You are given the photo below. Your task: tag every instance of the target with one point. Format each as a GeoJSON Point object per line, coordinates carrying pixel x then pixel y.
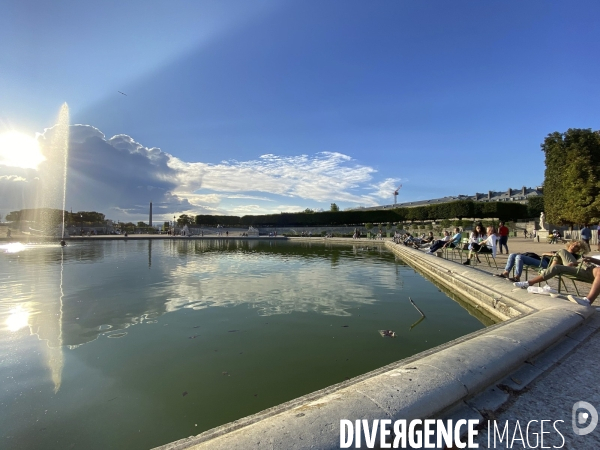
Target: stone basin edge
{"type": "Point", "coordinates": [423, 385]}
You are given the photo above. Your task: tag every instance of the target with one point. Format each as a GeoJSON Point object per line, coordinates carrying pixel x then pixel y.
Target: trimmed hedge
{"type": "Point", "coordinates": [440, 211]}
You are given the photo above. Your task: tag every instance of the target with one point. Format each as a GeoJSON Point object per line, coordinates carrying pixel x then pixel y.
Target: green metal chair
{"type": "Point", "coordinates": [573, 277]}
{"type": "Point", "coordinates": [487, 256]}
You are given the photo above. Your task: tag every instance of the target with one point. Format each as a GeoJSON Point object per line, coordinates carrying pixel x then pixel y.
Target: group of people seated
{"type": "Point", "coordinates": [554, 237]}
{"type": "Point", "coordinates": [480, 241]}
{"type": "Point", "coordinates": [414, 241]}
{"type": "Point", "coordinates": [568, 261]}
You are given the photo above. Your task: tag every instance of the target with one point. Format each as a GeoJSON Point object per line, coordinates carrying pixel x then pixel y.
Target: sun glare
{"type": "Point", "coordinates": [19, 150]}
{"type": "Point", "coordinates": [18, 318]}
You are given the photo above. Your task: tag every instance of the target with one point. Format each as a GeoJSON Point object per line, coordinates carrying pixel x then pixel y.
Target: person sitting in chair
{"type": "Point", "coordinates": [454, 242]}
{"type": "Point", "coordinates": [518, 260]}
{"type": "Point", "coordinates": [423, 242]}
{"type": "Point", "coordinates": [566, 256]}
{"type": "Point", "coordinates": [486, 246]}
{"type": "Point", "coordinates": [593, 268]}
{"type": "Point", "coordinates": [430, 240]}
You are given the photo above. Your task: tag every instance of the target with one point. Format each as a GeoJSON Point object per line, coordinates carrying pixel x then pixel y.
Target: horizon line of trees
{"type": "Point", "coordinates": [54, 216]}
{"type": "Point", "coordinates": [453, 210]}
{"type": "Point", "coordinates": [443, 211]}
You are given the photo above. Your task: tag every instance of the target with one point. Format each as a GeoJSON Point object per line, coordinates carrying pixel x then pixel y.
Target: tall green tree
{"type": "Point", "coordinates": [184, 219]}
{"type": "Point", "coordinates": [535, 206]}
{"type": "Point", "coordinates": [334, 208]}
{"type": "Point", "coordinates": [572, 176]}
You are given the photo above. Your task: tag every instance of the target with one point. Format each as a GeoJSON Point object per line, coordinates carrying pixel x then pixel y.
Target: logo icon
{"type": "Point", "coordinates": [581, 417]}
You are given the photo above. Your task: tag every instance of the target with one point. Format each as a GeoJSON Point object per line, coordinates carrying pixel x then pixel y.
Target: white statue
{"type": "Point", "coordinates": [542, 224]}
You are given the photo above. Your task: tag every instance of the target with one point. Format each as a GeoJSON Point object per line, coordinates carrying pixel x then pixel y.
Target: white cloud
{"type": "Point", "coordinates": [119, 176]}
{"type": "Point", "coordinates": [386, 188]}
{"type": "Point", "coordinates": [321, 177]}
{"type": "Point", "coordinates": [250, 197]}
{"type": "Point", "coordinates": [13, 178]}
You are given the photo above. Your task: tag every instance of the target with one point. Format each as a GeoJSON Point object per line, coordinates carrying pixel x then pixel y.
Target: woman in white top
{"type": "Point", "coordinates": [477, 235]}
{"type": "Point", "coordinates": [486, 246]}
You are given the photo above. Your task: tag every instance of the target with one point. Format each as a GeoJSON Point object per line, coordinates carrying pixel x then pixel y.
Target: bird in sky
{"type": "Point", "coordinates": [122, 93]}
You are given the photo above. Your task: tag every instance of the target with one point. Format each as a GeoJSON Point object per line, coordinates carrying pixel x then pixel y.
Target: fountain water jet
{"type": "Point", "coordinates": [53, 174]}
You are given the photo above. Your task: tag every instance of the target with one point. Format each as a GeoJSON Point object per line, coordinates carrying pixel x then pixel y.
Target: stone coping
{"type": "Point", "coordinates": [425, 385]}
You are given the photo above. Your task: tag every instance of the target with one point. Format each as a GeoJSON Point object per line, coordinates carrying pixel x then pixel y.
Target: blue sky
{"type": "Point", "coordinates": [238, 107]}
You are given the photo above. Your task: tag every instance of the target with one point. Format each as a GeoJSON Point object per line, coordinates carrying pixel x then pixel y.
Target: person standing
{"type": "Point", "coordinates": [598, 235]}
{"type": "Point", "coordinates": [503, 240]}
{"type": "Point", "coordinates": [586, 234]}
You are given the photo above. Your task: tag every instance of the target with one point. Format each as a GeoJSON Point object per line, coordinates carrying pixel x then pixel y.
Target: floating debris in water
{"type": "Point", "coordinates": [184, 393]}
{"type": "Point", "coordinates": [233, 331]}
{"type": "Point", "coordinates": [387, 333]}
{"type": "Point", "coordinates": [198, 326]}
{"type": "Point", "coordinates": [345, 326]}
{"type": "Point", "coordinates": [225, 373]}
{"type": "Point", "coordinates": [194, 336]}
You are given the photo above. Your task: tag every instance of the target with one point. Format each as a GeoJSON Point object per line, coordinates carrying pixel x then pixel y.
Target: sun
{"type": "Point", "coordinates": [19, 150]}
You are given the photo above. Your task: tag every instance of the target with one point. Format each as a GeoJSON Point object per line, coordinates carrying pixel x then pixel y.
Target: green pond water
{"type": "Point", "coordinates": [134, 344]}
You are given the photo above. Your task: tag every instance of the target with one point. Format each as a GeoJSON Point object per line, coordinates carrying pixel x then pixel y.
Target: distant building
{"type": "Point", "coordinates": [510, 195]}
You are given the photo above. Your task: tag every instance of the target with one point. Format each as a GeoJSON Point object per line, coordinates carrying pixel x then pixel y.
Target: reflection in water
{"type": "Point", "coordinates": [17, 318]}
{"type": "Point", "coordinates": [276, 278]}
{"type": "Point", "coordinates": [271, 278]}
{"type": "Point", "coordinates": [13, 247]}
{"type": "Point", "coordinates": [38, 295]}
{"type": "Point", "coordinates": [50, 331]}
{"type": "Point", "coordinates": [417, 323]}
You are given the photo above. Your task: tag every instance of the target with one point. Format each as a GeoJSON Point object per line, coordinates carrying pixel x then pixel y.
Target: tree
{"type": "Point", "coordinates": [308, 211]}
{"type": "Point", "coordinates": [184, 219]}
{"type": "Point", "coordinates": [88, 217]}
{"type": "Point", "coordinates": [142, 225]}
{"type": "Point", "coordinates": [334, 208]}
{"type": "Point", "coordinates": [13, 216]}
{"type": "Point", "coordinates": [535, 206]}
{"type": "Point", "coordinates": [572, 176]}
